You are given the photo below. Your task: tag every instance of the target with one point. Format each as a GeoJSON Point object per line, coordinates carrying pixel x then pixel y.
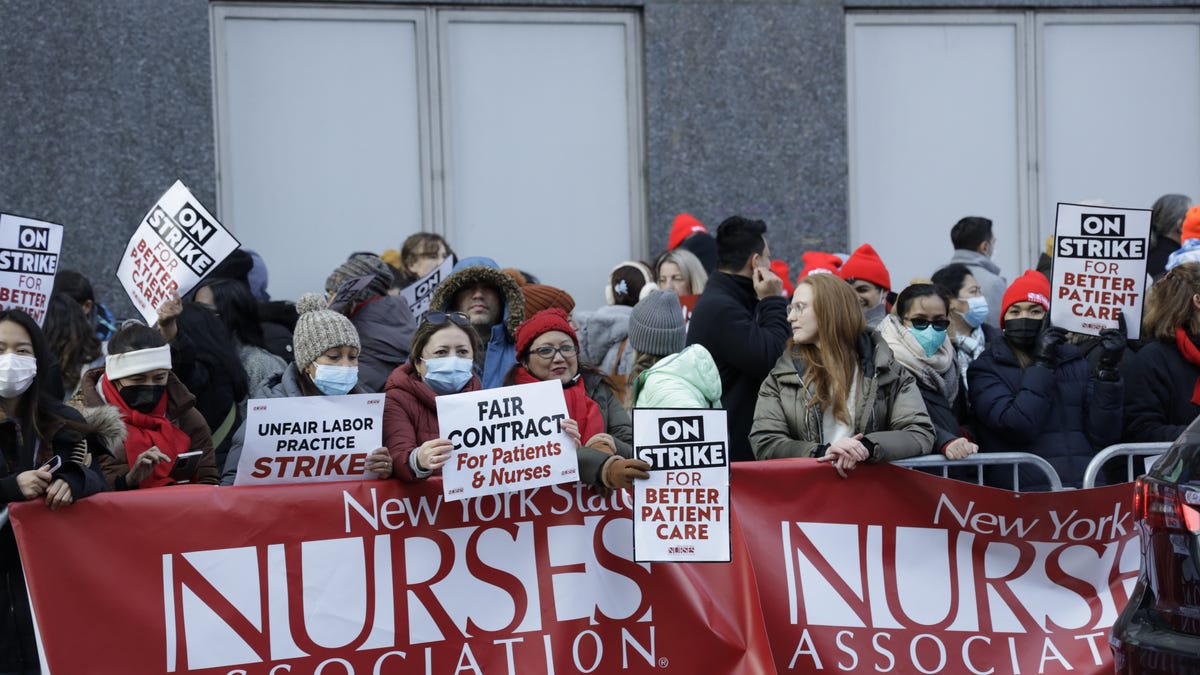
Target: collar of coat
{"type": "Point", "coordinates": [875, 359]}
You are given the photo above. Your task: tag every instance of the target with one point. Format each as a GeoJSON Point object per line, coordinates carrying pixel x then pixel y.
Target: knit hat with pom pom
{"type": "Point", "coordinates": [319, 329]}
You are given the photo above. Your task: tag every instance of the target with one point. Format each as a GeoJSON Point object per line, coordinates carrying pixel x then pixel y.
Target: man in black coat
{"type": "Point", "coordinates": [741, 319]}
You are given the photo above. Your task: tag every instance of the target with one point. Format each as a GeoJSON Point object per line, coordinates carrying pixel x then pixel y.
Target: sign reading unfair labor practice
{"type": "Point", "coordinates": [310, 439]}
{"type": "Point", "coordinates": [505, 440]}
{"type": "Point", "coordinates": [28, 262]}
{"type": "Point", "coordinates": [177, 245]}
{"type": "Point", "coordinates": [681, 513]}
{"type": "Point", "coordinates": [1099, 268]}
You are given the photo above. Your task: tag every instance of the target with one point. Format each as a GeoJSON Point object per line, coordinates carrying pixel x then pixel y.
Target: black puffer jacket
{"type": "Point", "coordinates": [1158, 393]}
{"type": "Point", "coordinates": [1062, 415]}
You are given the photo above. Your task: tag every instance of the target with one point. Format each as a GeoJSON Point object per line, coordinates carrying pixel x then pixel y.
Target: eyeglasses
{"type": "Point", "coordinates": [439, 318]}
{"type": "Point", "coordinates": [547, 352]}
{"type": "Point", "coordinates": [938, 324]}
{"type": "Point", "coordinates": [797, 307]}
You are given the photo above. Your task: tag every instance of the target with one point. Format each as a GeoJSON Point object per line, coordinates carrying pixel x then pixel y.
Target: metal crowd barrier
{"type": "Point", "coordinates": [980, 460]}
{"type": "Point", "coordinates": [1127, 450]}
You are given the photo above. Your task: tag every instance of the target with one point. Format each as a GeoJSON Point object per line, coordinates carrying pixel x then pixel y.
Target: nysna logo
{"type": "Point", "coordinates": [414, 585]}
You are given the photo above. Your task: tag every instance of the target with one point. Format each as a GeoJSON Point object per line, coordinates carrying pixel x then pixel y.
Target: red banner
{"type": "Point", "coordinates": [897, 571]}
{"type": "Point", "coordinates": [890, 570]}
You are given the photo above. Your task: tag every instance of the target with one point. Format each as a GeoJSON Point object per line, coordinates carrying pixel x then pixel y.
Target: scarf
{"type": "Point", "coordinates": [1191, 355]}
{"type": "Point", "coordinates": [580, 407]}
{"type": "Point", "coordinates": [147, 431]}
{"type": "Point", "coordinates": [937, 372]}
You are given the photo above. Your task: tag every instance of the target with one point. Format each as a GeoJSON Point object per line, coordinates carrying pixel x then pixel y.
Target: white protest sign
{"type": "Point", "coordinates": [28, 262]}
{"type": "Point", "coordinates": [1099, 268]}
{"type": "Point", "coordinates": [310, 439]}
{"type": "Point", "coordinates": [177, 245]}
{"type": "Point", "coordinates": [505, 440]}
{"type": "Point", "coordinates": [419, 293]}
{"type": "Point", "coordinates": [681, 513]}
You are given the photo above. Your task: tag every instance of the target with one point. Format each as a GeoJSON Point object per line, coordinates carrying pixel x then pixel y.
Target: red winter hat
{"type": "Point", "coordinates": [865, 264]}
{"type": "Point", "coordinates": [1032, 286]}
{"type": "Point", "coordinates": [818, 262]}
{"type": "Point", "coordinates": [1191, 224]}
{"type": "Point", "coordinates": [543, 322]}
{"type": "Point", "coordinates": [781, 270]}
{"type": "Point", "coordinates": [685, 225]}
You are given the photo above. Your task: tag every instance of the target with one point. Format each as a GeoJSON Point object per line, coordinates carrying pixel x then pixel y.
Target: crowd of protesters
{"type": "Point", "coordinates": [837, 364]}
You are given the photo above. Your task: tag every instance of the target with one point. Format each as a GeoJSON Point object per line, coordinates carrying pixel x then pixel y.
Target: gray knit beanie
{"type": "Point", "coordinates": [319, 330]}
{"type": "Point", "coordinates": [656, 324]}
{"type": "Point", "coordinates": [362, 265]}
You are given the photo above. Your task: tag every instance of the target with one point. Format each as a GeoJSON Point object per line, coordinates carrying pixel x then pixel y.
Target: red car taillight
{"type": "Point", "coordinates": [1162, 507]}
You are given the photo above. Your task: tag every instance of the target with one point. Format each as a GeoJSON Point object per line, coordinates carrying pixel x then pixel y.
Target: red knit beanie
{"type": "Point", "coordinates": [818, 262]}
{"type": "Point", "coordinates": [781, 270]}
{"type": "Point", "coordinates": [1191, 224]}
{"type": "Point", "coordinates": [685, 225]}
{"type": "Point", "coordinates": [865, 264]}
{"type": "Point", "coordinates": [1032, 286]}
{"type": "Point", "coordinates": [543, 322]}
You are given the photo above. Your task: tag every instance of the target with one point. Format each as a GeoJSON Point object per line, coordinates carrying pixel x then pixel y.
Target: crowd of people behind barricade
{"type": "Point", "coordinates": [837, 364]}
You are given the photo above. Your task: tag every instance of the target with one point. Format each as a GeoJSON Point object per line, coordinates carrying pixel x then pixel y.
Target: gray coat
{"type": "Point", "coordinates": [987, 273]}
{"type": "Point", "coordinates": [890, 411]}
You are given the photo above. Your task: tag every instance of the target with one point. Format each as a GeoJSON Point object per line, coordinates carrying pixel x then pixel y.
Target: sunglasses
{"type": "Point", "coordinates": [938, 324]}
{"type": "Point", "coordinates": [441, 318]}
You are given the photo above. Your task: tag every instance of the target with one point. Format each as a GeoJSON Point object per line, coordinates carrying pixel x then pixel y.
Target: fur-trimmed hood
{"type": "Point", "coordinates": [110, 429]}
{"type": "Point", "coordinates": [514, 301]}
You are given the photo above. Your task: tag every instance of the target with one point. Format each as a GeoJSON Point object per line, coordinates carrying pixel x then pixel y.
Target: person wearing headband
{"type": "Point", "coordinates": [160, 415]}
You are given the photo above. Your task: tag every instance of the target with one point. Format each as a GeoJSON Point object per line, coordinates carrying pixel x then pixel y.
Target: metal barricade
{"type": "Point", "coordinates": [1126, 450]}
{"type": "Point", "coordinates": [980, 460]}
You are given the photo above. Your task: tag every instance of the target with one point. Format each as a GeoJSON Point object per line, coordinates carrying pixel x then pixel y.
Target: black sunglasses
{"type": "Point", "coordinates": [440, 318]}
{"type": "Point", "coordinates": [938, 324]}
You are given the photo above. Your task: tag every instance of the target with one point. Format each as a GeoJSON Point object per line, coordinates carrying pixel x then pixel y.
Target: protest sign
{"type": "Point", "coordinates": [688, 303]}
{"type": "Point", "coordinates": [419, 293]}
{"type": "Point", "coordinates": [28, 262]}
{"type": "Point", "coordinates": [681, 513]}
{"type": "Point", "coordinates": [348, 289]}
{"type": "Point", "coordinates": [310, 439]}
{"type": "Point", "coordinates": [1099, 268]}
{"type": "Point", "coordinates": [506, 439]}
{"type": "Point", "coordinates": [177, 245]}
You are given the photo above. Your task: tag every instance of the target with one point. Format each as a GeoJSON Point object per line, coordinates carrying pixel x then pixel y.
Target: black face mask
{"type": "Point", "coordinates": [1022, 332]}
{"type": "Point", "coordinates": [143, 397]}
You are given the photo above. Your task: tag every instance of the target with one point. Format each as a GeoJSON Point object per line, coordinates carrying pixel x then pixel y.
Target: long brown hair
{"type": "Point", "coordinates": [832, 359]}
{"type": "Point", "coordinates": [1169, 304]}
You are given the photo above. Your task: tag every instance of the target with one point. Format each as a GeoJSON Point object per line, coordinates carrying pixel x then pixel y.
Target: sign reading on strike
{"type": "Point", "coordinates": [681, 513]}
{"type": "Point", "coordinates": [505, 440]}
{"type": "Point", "coordinates": [177, 245]}
{"type": "Point", "coordinates": [28, 262]}
{"type": "Point", "coordinates": [310, 439]}
{"type": "Point", "coordinates": [419, 293]}
{"type": "Point", "coordinates": [1099, 268]}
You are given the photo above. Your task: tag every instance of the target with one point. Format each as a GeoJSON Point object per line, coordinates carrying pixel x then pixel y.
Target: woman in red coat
{"type": "Point", "coordinates": [441, 362]}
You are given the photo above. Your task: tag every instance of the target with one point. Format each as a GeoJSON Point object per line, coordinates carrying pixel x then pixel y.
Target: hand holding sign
{"type": "Point", "coordinates": [1112, 348]}
{"type": "Point", "coordinates": [168, 312]}
{"type": "Point", "coordinates": [432, 454]}
{"type": "Point", "coordinates": [379, 462]}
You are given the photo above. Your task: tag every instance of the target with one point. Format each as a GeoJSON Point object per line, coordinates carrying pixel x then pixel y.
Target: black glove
{"type": "Point", "coordinates": [1112, 344]}
{"type": "Point", "coordinates": [1046, 347]}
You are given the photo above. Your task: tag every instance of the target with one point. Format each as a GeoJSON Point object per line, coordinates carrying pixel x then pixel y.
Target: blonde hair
{"type": "Point", "coordinates": [689, 264]}
{"type": "Point", "coordinates": [831, 361]}
{"type": "Point", "coordinates": [1169, 303]}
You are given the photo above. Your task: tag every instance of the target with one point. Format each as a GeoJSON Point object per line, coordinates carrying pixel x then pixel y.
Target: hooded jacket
{"type": "Point", "coordinates": [1062, 415]}
{"type": "Point", "coordinates": [500, 353]}
{"type": "Point", "coordinates": [987, 273]}
{"type": "Point", "coordinates": [410, 417]}
{"type": "Point", "coordinates": [686, 379]}
{"type": "Point", "coordinates": [889, 410]}
{"type": "Point", "coordinates": [385, 328]}
{"type": "Point", "coordinates": [601, 334]}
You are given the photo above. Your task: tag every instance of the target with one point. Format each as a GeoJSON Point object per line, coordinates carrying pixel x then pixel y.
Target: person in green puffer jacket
{"type": "Point", "coordinates": [665, 373]}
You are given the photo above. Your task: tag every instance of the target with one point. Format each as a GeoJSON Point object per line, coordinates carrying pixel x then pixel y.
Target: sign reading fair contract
{"type": "Point", "coordinates": [505, 440]}
{"type": "Point", "coordinates": [177, 245]}
{"type": "Point", "coordinates": [1099, 268]}
{"type": "Point", "coordinates": [681, 514]}
{"type": "Point", "coordinates": [310, 439]}
{"type": "Point", "coordinates": [28, 262]}
{"type": "Point", "coordinates": [419, 293]}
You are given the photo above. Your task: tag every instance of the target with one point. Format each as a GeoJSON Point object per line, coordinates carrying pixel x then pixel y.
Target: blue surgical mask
{"type": "Point", "coordinates": [335, 380]}
{"type": "Point", "coordinates": [448, 375]}
{"type": "Point", "coordinates": [977, 311]}
{"type": "Point", "coordinates": [930, 338]}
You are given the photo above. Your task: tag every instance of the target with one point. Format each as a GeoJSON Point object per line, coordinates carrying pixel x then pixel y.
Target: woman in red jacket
{"type": "Point", "coordinates": [441, 362]}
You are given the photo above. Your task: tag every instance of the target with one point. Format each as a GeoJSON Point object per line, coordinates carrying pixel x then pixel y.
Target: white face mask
{"type": "Point", "coordinates": [16, 374]}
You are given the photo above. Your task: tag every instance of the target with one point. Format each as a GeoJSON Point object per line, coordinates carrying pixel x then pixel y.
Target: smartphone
{"type": "Point", "coordinates": [52, 465]}
{"type": "Point", "coordinates": [186, 466]}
